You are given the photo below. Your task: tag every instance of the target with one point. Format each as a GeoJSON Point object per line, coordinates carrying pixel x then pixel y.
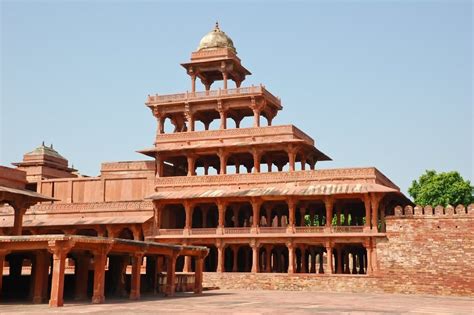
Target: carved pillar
{"type": "Point", "coordinates": [302, 214]}
{"type": "Point", "coordinates": [59, 249]}
{"type": "Point", "coordinates": [313, 255]}
{"type": "Point", "coordinates": [321, 262]}
{"type": "Point", "coordinates": [188, 209]}
{"type": "Point", "coordinates": [220, 255]}
{"type": "Point", "coordinates": [187, 264]}
{"type": "Point", "coordinates": [329, 257]}
{"type": "Point", "coordinates": [198, 275]}
{"type": "Point", "coordinates": [292, 159]}
{"type": "Point", "coordinates": [170, 275]}
{"type": "Point", "coordinates": [136, 276]}
{"type": "Point", "coordinates": [100, 260]}
{"type": "Point", "coordinates": [304, 263]}
{"type": "Point", "coordinates": [268, 259]}
{"type": "Point", "coordinates": [255, 247]}
{"type": "Point", "coordinates": [204, 212]}
{"type": "Point", "coordinates": [291, 257]}
{"type": "Point", "coordinates": [256, 203]}
{"type": "Point", "coordinates": [256, 160]}
{"type": "Point", "coordinates": [81, 276]}
{"type": "Point", "coordinates": [191, 165]}
{"type": "Point", "coordinates": [346, 262]}
{"type": "Point", "coordinates": [223, 119]}
{"type": "Point", "coordinates": [360, 255]}
{"type": "Point", "coordinates": [159, 166]}
{"type": "Point", "coordinates": [18, 219]}
{"type": "Point", "coordinates": [367, 211]}
{"type": "Point", "coordinates": [223, 162]}
{"type": "Point", "coordinates": [375, 200]}
{"type": "Point", "coordinates": [221, 207]}
{"type": "Point", "coordinates": [329, 203]}
{"type": "Point", "coordinates": [193, 83]}
{"type": "Point", "coordinates": [235, 250]}
{"type": "Point", "coordinates": [291, 214]}
{"type": "Point", "coordinates": [224, 78]}
{"type": "Point", "coordinates": [354, 263]}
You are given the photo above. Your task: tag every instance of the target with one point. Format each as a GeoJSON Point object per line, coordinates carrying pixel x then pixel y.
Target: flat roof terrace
{"type": "Point", "coordinates": [229, 137]}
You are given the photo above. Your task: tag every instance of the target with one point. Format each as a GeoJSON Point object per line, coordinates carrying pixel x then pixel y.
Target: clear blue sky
{"type": "Point", "coordinates": [375, 83]}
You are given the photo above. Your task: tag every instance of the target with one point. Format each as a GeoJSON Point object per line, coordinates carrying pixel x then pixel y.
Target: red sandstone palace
{"type": "Point", "coordinates": [254, 196]}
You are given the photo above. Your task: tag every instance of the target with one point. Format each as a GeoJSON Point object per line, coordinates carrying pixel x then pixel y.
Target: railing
{"type": "Point", "coordinates": [203, 231]}
{"type": "Point", "coordinates": [237, 230]}
{"type": "Point", "coordinates": [272, 229]}
{"type": "Point", "coordinates": [309, 229]}
{"type": "Point", "coordinates": [234, 133]}
{"type": "Point", "coordinates": [347, 229]}
{"type": "Point", "coordinates": [171, 231]}
{"type": "Point", "coordinates": [339, 175]}
{"type": "Point", "coordinates": [189, 96]}
{"type": "Point", "coordinates": [264, 230]}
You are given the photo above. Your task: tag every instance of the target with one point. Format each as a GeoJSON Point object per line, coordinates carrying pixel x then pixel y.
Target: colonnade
{"type": "Point", "coordinates": [289, 213]}
{"type": "Point", "coordinates": [250, 161]}
{"type": "Point", "coordinates": [291, 257]}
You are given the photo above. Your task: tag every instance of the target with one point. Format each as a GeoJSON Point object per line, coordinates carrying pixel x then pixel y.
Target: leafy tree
{"type": "Point", "coordinates": [441, 189]}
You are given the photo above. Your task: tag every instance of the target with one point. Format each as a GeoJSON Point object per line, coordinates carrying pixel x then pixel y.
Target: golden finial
{"type": "Point", "coordinates": [217, 26]}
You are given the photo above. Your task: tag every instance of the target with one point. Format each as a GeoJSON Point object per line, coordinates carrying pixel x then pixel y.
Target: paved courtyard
{"type": "Point", "coordinates": [263, 302]}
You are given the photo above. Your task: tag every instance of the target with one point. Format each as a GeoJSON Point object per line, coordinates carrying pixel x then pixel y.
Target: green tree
{"type": "Point", "coordinates": [441, 189]}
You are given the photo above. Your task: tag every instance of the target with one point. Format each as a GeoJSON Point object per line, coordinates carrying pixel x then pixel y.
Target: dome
{"type": "Point", "coordinates": [216, 39]}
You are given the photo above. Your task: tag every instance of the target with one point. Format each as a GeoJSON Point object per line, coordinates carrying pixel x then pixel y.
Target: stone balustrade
{"type": "Point", "coordinates": [340, 175]}
{"type": "Point", "coordinates": [212, 94]}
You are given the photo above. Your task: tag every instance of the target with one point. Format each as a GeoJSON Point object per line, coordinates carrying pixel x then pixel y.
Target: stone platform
{"type": "Point", "coordinates": [265, 302]}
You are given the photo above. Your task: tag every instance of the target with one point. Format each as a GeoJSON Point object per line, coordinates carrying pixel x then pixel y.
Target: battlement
{"type": "Point", "coordinates": [430, 211]}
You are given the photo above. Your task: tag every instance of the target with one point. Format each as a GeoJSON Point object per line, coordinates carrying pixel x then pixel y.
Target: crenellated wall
{"type": "Point", "coordinates": [426, 251]}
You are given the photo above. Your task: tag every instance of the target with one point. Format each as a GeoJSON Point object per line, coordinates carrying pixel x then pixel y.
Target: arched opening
{"type": "Point", "coordinates": [173, 217]}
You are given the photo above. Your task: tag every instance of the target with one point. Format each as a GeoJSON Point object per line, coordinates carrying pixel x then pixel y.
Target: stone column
{"type": "Point", "coordinates": [354, 263]}
{"type": "Point", "coordinates": [255, 261]}
{"type": "Point", "coordinates": [81, 276]}
{"type": "Point", "coordinates": [100, 260]}
{"type": "Point", "coordinates": [291, 214]}
{"type": "Point", "coordinates": [367, 212]}
{"type": "Point", "coordinates": [39, 276]}
{"type": "Point", "coordinates": [313, 255]}
{"type": "Point", "coordinates": [304, 263]}
{"type": "Point", "coordinates": [188, 209]}
{"type": "Point", "coordinates": [18, 220]}
{"type": "Point", "coordinates": [170, 275]}
{"type": "Point", "coordinates": [339, 259]}
{"type": "Point", "coordinates": [223, 162]}
{"type": "Point", "coordinates": [191, 165]}
{"type": "Point", "coordinates": [224, 78]}
{"type": "Point", "coordinates": [59, 249]}
{"type": "Point", "coordinates": [268, 259]}
{"type": "Point", "coordinates": [204, 211]}
{"type": "Point", "coordinates": [346, 262]}
{"type": "Point", "coordinates": [136, 276]}
{"type": "Point", "coordinates": [221, 208]}
{"type": "Point", "coordinates": [159, 166]}
{"type": "Point", "coordinates": [291, 257]}
{"type": "Point", "coordinates": [223, 118]}
{"type": "Point", "coordinates": [198, 275]}
{"type": "Point", "coordinates": [255, 212]}
{"type": "Point", "coordinates": [321, 262]}
{"type": "Point", "coordinates": [328, 203]}
{"type": "Point", "coordinates": [256, 161]}
{"type": "Point", "coordinates": [193, 83]}
{"type": "Point", "coordinates": [292, 159]}
{"type": "Point", "coordinates": [375, 200]}
{"type": "Point", "coordinates": [220, 255]}
{"type": "Point", "coordinates": [329, 268]}
{"type": "Point", "coordinates": [361, 262]}
{"type": "Point", "coordinates": [187, 264]}
{"type": "Point", "coordinates": [235, 250]}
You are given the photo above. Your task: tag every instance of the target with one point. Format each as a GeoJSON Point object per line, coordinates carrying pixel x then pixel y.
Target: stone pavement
{"type": "Point", "coordinates": [263, 302]}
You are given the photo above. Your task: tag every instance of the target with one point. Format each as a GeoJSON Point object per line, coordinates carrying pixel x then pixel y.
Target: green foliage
{"type": "Point", "coordinates": [441, 189]}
